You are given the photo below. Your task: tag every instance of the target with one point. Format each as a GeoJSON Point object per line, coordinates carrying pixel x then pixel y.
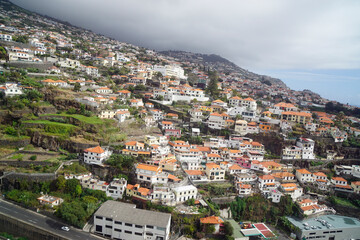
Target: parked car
{"type": "Point", "coordinates": [65, 228]}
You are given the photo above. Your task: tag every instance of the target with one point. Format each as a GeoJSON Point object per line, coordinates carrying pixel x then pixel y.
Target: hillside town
{"type": "Point", "coordinates": [122, 142]}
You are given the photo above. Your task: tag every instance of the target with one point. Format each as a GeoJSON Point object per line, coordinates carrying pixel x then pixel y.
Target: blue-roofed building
{"type": "Point", "coordinates": [327, 227]}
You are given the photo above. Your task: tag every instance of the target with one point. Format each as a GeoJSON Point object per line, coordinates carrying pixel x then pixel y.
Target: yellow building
{"type": "Point", "coordinates": [214, 172]}
{"type": "Point", "coordinates": [298, 117]}
{"type": "Point", "coordinates": [356, 186]}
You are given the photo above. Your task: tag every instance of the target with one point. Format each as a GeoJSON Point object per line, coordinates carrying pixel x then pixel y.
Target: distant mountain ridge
{"type": "Point", "coordinates": [220, 64]}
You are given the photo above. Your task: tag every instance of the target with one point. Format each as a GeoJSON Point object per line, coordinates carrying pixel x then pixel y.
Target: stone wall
{"type": "Point", "coordinates": [41, 66]}
{"type": "Point", "coordinates": [17, 227]}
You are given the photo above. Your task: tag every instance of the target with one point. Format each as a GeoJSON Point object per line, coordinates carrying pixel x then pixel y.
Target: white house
{"type": "Point", "coordinates": [96, 155]}
{"type": "Point", "coordinates": [304, 176]}
{"type": "Point", "coordinates": [122, 115]}
{"type": "Point", "coordinates": [184, 193]}
{"type": "Point", "coordinates": [116, 188]}
{"type": "Point", "coordinates": [92, 71]}
{"type": "Point", "coordinates": [104, 90]}
{"type": "Point", "coordinates": [217, 120]}
{"type": "Point", "coordinates": [69, 63]}
{"type": "Point", "coordinates": [151, 174]}
{"type": "Point", "coordinates": [50, 200]}
{"type": "Point", "coordinates": [11, 89]}
{"type": "Point", "coordinates": [292, 189]}
{"type": "Point", "coordinates": [136, 103]}
{"type": "Point", "coordinates": [5, 37]}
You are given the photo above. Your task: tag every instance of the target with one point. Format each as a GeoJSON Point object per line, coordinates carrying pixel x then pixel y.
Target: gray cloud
{"type": "Point", "coordinates": [256, 34]}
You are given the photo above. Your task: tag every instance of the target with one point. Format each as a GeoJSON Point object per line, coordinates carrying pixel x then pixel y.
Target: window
{"type": "Point", "coordinates": [138, 226]}
{"type": "Point", "coordinates": [128, 224]}
{"type": "Point", "coordinates": [149, 226]}
{"type": "Point", "coordinates": [108, 219]}
{"type": "Point", "coordinates": [128, 232]}
{"type": "Point", "coordinates": [139, 234]}
{"type": "Point", "coordinates": [117, 230]}
{"type": "Point", "coordinates": [98, 217]}
{"type": "Point", "coordinates": [98, 228]}
{"type": "Point", "coordinates": [117, 222]}
{"type": "Point", "coordinates": [160, 228]}
{"type": "Point", "coordinates": [108, 226]}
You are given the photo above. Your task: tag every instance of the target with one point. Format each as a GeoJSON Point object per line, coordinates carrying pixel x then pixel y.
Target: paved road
{"type": "Point", "coordinates": [41, 221]}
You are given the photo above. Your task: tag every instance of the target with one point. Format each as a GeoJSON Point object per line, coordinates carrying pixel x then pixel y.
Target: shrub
{"type": "Point", "coordinates": [33, 157]}
{"type": "Point", "coordinates": [71, 111]}
{"type": "Point", "coordinates": [11, 131]}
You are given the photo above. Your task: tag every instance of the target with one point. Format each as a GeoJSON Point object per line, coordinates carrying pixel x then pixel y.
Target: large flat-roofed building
{"type": "Point", "coordinates": [327, 227]}
{"type": "Point", "coordinates": [119, 220]}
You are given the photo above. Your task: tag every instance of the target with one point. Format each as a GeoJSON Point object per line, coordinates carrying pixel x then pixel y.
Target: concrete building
{"type": "Point", "coordinates": [119, 220]}
{"type": "Point", "coordinates": [116, 188]}
{"type": "Point", "coordinates": [304, 149]}
{"type": "Point", "coordinates": [184, 193]}
{"type": "Point", "coordinates": [327, 227]}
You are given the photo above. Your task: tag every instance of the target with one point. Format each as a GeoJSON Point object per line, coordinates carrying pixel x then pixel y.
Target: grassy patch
{"type": "Point", "coordinates": [14, 138]}
{"type": "Point", "coordinates": [344, 202]}
{"type": "Point", "coordinates": [55, 127]}
{"type": "Point", "coordinates": [6, 150]}
{"type": "Point", "coordinates": [17, 156]}
{"type": "Point", "coordinates": [82, 118]}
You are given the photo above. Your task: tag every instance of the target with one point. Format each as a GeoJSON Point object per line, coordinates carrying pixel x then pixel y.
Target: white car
{"type": "Point", "coordinates": [65, 228]}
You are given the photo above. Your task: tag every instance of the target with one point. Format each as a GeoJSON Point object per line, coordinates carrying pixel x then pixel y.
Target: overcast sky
{"type": "Point", "coordinates": [281, 37]}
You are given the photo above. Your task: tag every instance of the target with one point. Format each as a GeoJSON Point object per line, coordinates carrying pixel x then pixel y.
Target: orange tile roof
{"type": "Point", "coordinates": [357, 183]}
{"type": "Point", "coordinates": [240, 185]}
{"type": "Point", "coordinates": [287, 185]}
{"type": "Point", "coordinates": [234, 151]}
{"type": "Point", "coordinates": [124, 91]}
{"type": "Point", "coordinates": [320, 174]}
{"type": "Point", "coordinates": [266, 177]}
{"type": "Point", "coordinates": [306, 201]}
{"type": "Point", "coordinates": [203, 149]}
{"type": "Point", "coordinates": [282, 174]}
{"type": "Point", "coordinates": [270, 184]}
{"type": "Point", "coordinates": [148, 167]}
{"type": "Point", "coordinates": [301, 114]}
{"type": "Point", "coordinates": [270, 163]}
{"type": "Point", "coordinates": [307, 208]}
{"type": "Point", "coordinates": [339, 179]}
{"type": "Point", "coordinates": [236, 98]}
{"type": "Point", "coordinates": [235, 167]}
{"type": "Point", "coordinates": [133, 143]}
{"type": "Point", "coordinates": [144, 191]}
{"type": "Point", "coordinates": [343, 186]}
{"type": "Point", "coordinates": [256, 144]}
{"type": "Point", "coordinates": [303, 171]}
{"type": "Point", "coordinates": [97, 149]}
{"type": "Point", "coordinates": [211, 220]}
{"type": "Point", "coordinates": [172, 177]}
{"type": "Point", "coordinates": [285, 105]}
{"type": "Point", "coordinates": [214, 155]}
{"type": "Point", "coordinates": [212, 165]}
{"type": "Point", "coordinates": [194, 172]}
{"type": "Point", "coordinates": [321, 180]}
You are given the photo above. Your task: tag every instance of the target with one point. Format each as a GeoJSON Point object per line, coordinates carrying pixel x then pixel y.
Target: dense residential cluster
{"type": "Point", "coordinates": [187, 130]}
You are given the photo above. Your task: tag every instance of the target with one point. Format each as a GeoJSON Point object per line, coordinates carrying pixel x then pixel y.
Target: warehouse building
{"type": "Point", "coordinates": [119, 220]}
{"type": "Point", "coordinates": [327, 227]}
